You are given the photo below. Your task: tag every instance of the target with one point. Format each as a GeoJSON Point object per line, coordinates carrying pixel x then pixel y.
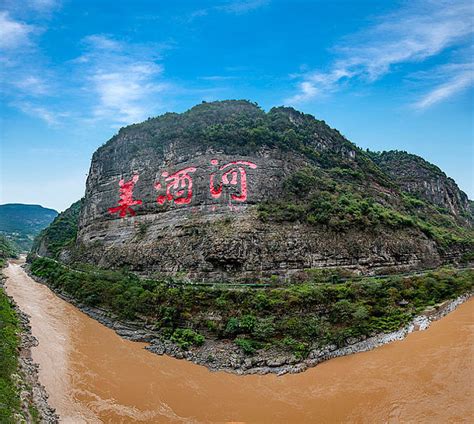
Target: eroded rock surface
{"type": "Point", "coordinates": [180, 195]}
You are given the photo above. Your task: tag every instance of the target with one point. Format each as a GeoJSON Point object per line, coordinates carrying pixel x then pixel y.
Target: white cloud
{"type": "Point", "coordinates": [21, 67]}
{"type": "Point", "coordinates": [218, 78]}
{"type": "Point", "coordinates": [24, 78]}
{"type": "Point", "coordinates": [102, 42]}
{"type": "Point", "coordinates": [455, 78]}
{"type": "Point", "coordinates": [242, 6]}
{"type": "Point", "coordinates": [236, 7]}
{"type": "Point", "coordinates": [124, 78]}
{"type": "Point", "coordinates": [413, 34]}
{"type": "Point", "coordinates": [31, 85]}
{"type": "Point", "coordinates": [32, 8]}
{"type": "Point", "coordinates": [307, 91]}
{"type": "Point", "coordinates": [50, 117]}
{"type": "Point", "coordinates": [13, 34]}
{"type": "Point", "coordinates": [125, 93]}
{"type": "Point", "coordinates": [44, 5]}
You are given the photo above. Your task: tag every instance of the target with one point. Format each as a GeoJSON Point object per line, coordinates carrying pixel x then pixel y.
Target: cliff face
{"type": "Point", "coordinates": [227, 191]}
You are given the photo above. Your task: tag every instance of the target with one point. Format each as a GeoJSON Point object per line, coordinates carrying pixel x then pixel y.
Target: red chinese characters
{"type": "Point", "coordinates": [179, 187]}
{"type": "Point", "coordinates": [232, 173]}
{"type": "Point", "coordinates": [126, 198]}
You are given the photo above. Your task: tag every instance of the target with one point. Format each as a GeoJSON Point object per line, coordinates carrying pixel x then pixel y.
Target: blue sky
{"type": "Point", "coordinates": [387, 74]}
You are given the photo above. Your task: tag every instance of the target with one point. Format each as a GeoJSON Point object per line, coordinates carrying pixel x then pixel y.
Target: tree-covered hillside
{"type": "Point", "coordinates": [7, 248]}
{"type": "Point", "coordinates": [60, 233]}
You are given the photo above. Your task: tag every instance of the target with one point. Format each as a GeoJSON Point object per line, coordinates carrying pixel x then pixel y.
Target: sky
{"type": "Point", "coordinates": [387, 74]}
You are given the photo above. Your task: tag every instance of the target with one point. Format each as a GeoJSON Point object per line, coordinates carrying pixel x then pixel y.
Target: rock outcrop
{"type": "Point", "coordinates": [181, 195]}
{"type": "Point", "coordinates": [417, 176]}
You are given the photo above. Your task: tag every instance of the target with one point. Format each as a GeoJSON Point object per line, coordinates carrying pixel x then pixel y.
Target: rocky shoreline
{"type": "Point", "coordinates": [32, 392]}
{"type": "Point", "coordinates": [221, 355]}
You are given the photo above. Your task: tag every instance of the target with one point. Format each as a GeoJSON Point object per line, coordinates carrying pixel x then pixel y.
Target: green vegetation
{"type": "Point", "coordinates": [11, 380]}
{"type": "Point", "coordinates": [7, 248]}
{"type": "Point", "coordinates": [9, 341]}
{"type": "Point", "coordinates": [185, 338]}
{"type": "Point", "coordinates": [323, 310]}
{"type": "Point", "coordinates": [404, 160]}
{"type": "Point", "coordinates": [21, 223]}
{"type": "Point", "coordinates": [248, 346]}
{"type": "Point", "coordinates": [61, 233]}
{"type": "Point", "coordinates": [336, 198]}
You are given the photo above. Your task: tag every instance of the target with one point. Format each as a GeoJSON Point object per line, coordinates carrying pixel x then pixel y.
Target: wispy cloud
{"type": "Point", "coordinates": [125, 79]}
{"type": "Point", "coordinates": [44, 5]}
{"type": "Point", "coordinates": [31, 94]}
{"type": "Point", "coordinates": [236, 7]}
{"type": "Point", "coordinates": [24, 79]}
{"type": "Point", "coordinates": [52, 118]}
{"type": "Point", "coordinates": [450, 80]}
{"type": "Point", "coordinates": [32, 8]}
{"type": "Point", "coordinates": [413, 34]}
{"type": "Point", "coordinates": [113, 81]}
{"type": "Point", "coordinates": [218, 78]}
{"type": "Point", "coordinates": [242, 6]}
{"type": "Point", "coordinates": [31, 85]}
{"type": "Point", "coordinates": [13, 34]}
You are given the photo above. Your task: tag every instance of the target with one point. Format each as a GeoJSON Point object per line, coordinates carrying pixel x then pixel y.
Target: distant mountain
{"type": "Point", "coordinates": [21, 223]}
{"type": "Point", "coordinates": [228, 191]}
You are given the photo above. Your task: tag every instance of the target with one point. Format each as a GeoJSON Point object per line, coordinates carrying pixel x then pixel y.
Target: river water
{"type": "Point", "coordinates": [92, 375]}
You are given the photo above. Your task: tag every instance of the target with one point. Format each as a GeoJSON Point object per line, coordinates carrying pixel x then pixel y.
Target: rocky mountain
{"type": "Point", "coordinates": [21, 223]}
{"type": "Point", "coordinates": [228, 191]}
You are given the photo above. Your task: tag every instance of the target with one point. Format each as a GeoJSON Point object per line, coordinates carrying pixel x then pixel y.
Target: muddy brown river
{"type": "Point", "coordinates": [92, 375]}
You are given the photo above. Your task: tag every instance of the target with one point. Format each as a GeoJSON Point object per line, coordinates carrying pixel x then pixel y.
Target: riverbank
{"type": "Point", "coordinates": [230, 359]}
{"type": "Point", "coordinates": [23, 397]}
{"type": "Point", "coordinates": [223, 355]}
{"type": "Point", "coordinates": [93, 375]}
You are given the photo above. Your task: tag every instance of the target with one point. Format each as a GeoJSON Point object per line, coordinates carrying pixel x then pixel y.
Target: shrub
{"type": "Point", "coordinates": [299, 349]}
{"type": "Point", "coordinates": [247, 323]}
{"type": "Point", "coordinates": [185, 338]}
{"type": "Point", "coordinates": [264, 329]}
{"type": "Point", "coordinates": [248, 346]}
{"type": "Point", "coordinates": [232, 326]}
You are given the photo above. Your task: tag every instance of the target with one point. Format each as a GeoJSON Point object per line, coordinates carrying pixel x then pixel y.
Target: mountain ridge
{"type": "Point", "coordinates": [312, 199]}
